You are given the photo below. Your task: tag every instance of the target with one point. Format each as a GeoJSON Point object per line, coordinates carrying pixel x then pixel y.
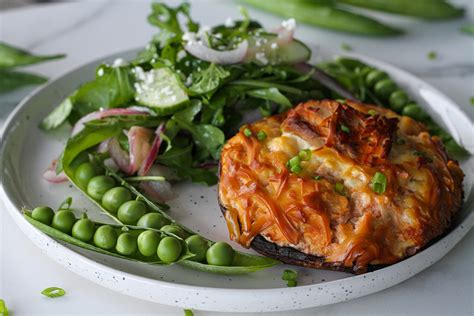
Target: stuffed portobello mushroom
{"type": "Point", "coordinates": [337, 185]}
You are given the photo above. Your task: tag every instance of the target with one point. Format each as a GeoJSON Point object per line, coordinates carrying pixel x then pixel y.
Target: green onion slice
{"type": "Point", "coordinates": [305, 154]}
{"type": "Point", "coordinates": [53, 292]}
{"type": "Point", "coordinates": [339, 188]}
{"type": "Point", "coordinates": [290, 276]}
{"type": "Point", "coordinates": [379, 183]}
{"type": "Point", "coordinates": [345, 129]}
{"type": "Point", "coordinates": [261, 135]}
{"type": "Point", "coordinates": [247, 132]}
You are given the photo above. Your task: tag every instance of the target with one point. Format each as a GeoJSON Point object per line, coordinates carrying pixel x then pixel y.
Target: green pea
{"type": "Point", "coordinates": [176, 230]}
{"type": "Point", "coordinates": [169, 249]}
{"type": "Point", "coordinates": [43, 214]}
{"type": "Point", "coordinates": [152, 220]}
{"type": "Point", "coordinates": [220, 254]}
{"type": "Point", "coordinates": [80, 159]}
{"type": "Point", "coordinates": [83, 230]}
{"type": "Point", "coordinates": [148, 242]}
{"type": "Point", "coordinates": [130, 212]}
{"type": "Point", "coordinates": [384, 88]}
{"type": "Point", "coordinates": [105, 237]}
{"type": "Point", "coordinates": [126, 244]}
{"type": "Point", "coordinates": [414, 111]}
{"type": "Point", "coordinates": [397, 100]}
{"type": "Point", "coordinates": [84, 173]}
{"type": "Point", "coordinates": [98, 185]}
{"type": "Point", "coordinates": [115, 197]}
{"type": "Point", "coordinates": [64, 220]}
{"type": "Point", "coordinates": [375, 76]}
{"type": "Point", "coordinates": [198, 246]}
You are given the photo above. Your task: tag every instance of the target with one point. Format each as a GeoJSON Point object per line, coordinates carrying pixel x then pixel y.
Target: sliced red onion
{"type": "Point", "coordinates": [155, 148]}
{"type": "Point", "coordinates": [285, 36]}
{"type": "Point", "coordinates": [119, 156]}
{"type": "Point", "coordinates": [51, 176]}
{"type": "Point", "coordinates": [103, 146]}
{"type": "Point", "coordinates": [108, 112]}
{"type": "Point", "coordinates": [201, 51]}
{"type": "Point", "coordinates": [139, 139]}
{"type": "Point", "coordinates": [158, 191]}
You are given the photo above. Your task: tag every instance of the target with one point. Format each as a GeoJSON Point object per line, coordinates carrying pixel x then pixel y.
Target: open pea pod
{"type": "Point", "coordinates": [136, 256]}
{"type": "Point", "coordinates": [98, 131]}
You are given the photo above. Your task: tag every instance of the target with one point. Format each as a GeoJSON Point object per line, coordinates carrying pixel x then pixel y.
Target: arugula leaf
{"type": "Point", "coordinates": [206, 82]}
{"type": "Point", "coordinates": [271, 94]}
{"type": "Point", "coordinates": [113, 88]}
{"type": "Point", "coordinates": [12, 57]}
{"type": "Point", "coordinates": [58, 116]}
{"type": "Point", "coordinates": [11, 80]}
{"type": "Point", "coordinates": [166, 18]}
{"type": "Point", "coordinates": [205, 136]}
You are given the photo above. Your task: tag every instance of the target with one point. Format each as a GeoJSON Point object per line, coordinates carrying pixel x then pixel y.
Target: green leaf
{"type": "Point", "coordinates": [188, 312]}
{"type": "Point", "coordinates": [205, 136]}
{"type": "Point", "coordinates": [12, 57]}
{"type": "Point", "coordinates": [58, 116]}
{"type": "Point", "coordinates": [207, 81]}
{"type": "Point", "coordinates": [167, 18]}
{"type": "Point", "coordinates": [111, 89]}
{"type": "Point", "coordinates": [53, 292]}
{"type": "Point", "coordinates": [11, 80]}
{"type": "Point", "coordinates": [271, 94]}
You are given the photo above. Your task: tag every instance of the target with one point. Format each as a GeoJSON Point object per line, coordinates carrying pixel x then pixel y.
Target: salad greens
{"type": "Point", "coordinates": [11, 57]}
{"type": "Point", "coordinates": [53, 292]}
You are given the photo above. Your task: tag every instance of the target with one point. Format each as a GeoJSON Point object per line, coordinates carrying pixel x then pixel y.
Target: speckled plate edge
{"type": "Point", "coordinates": [242, 300]}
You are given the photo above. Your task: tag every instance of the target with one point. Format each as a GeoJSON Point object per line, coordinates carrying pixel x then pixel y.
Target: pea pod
{"type": "Point", "coordinates": [372, 85]}
{"type": "Point", "coordinates": [426, 9]}
{"type": "Point", "coordinates": [326, 16]}
{"type": "Point", "coordinates": [133, 230]}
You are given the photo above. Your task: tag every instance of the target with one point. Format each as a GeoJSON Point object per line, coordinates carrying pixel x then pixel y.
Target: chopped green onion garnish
{"type": "Point", "coordinates": [379, 183]}
{"type": "Point", "coordinates": [372, 112]}
{"type": "Point", "coordinates": [247, 132]}
{"type": "Point", "coordinates": [188, 312]}
{"type": "Point", "coordinates": [3, 308]}
{"type": "Point", "coordinates": [339, 188]}
{"type": "Point", "coordinates": [305, 154]}
{"type": "Point", "coordinates": [295, 161]}
{"type": "Point", "coordinates": [346, 47]}
{"type": "Point", "coordinates": [290, 277]}
{"type": "Point", "coordinates": [53, 292]}
{"type": "Point", "coordinates": [261, 135]}
{"type": "Point", "coordinates": [341, 101]}
{"type": "Point", "coordinates": [345, 129]}
{"type": "Point", "coordinates": [296, 169]}
{"type": "Point", "coordinates": [317, 177]}
{"type": "Point", "coordinates": [432, 55]}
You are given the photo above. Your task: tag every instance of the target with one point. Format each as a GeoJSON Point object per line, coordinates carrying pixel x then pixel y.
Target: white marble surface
{"type": "Point", "coordinates": [92, 29]}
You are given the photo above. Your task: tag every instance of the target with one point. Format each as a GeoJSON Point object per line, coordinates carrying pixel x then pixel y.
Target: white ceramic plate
{"type": "Point", "coordinates": [26, 152]}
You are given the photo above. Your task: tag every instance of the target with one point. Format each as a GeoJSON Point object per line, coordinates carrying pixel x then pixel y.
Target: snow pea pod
{"type": "Point", "coordinates": [426, 9]}
{"type": "Point", "coordinates": [327, 16]}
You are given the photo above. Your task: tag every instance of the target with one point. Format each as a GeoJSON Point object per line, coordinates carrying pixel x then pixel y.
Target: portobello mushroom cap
{"type": "Point", "coordinates": [329, 212]}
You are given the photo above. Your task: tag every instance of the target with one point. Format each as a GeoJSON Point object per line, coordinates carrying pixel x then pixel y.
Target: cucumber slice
{"type": "Point", "coordinates": [264, 50]}
{"type": "Point", "coordinates": [161, 90]}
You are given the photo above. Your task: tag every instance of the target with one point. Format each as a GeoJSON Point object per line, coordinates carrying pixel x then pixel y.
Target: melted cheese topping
{"type": "Point", "coordinates": [353, 228]}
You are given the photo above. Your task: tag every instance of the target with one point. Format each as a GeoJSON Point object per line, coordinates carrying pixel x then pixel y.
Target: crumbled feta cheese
{"type": "Point", "coordinates": [100, 72]}
{"type": "Point", "coordinates": [189, 81]}
{"type": "Point", "coordinates": [189, 37]}
{"type": "Point", "coordinates": [181, 54]}
{"type": "Point", "coordinates": [119, 62]}
{"type": "Point", "coordinates": [289, 24]}
{"type": "Point", "coordinates": [261, 58]}
{"type": "Point", "coordinates": [229, 22]}
{"type": "Point", "coordinates": [139, 73]}
{"type": "Point", "coordinates": [274, 46]}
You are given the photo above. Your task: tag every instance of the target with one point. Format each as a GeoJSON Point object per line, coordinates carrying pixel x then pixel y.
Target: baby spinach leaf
{"type": "Point", "coordinates": [207, 81]}
{"type": "Point", "coordinates": [113, 88]}
{"type": "Point", "coordinates": [205, 136]}
{"type": "Point", "coordinates": [58, 116]}
{"type": "Point", "coordinates": [11, 80]}
{"type": "Point", "coordinates": [12, 57]}
{"type": "Point", "coordinates": [166, 18]}
{"type": "Point", "coordinates": [271, 94]}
